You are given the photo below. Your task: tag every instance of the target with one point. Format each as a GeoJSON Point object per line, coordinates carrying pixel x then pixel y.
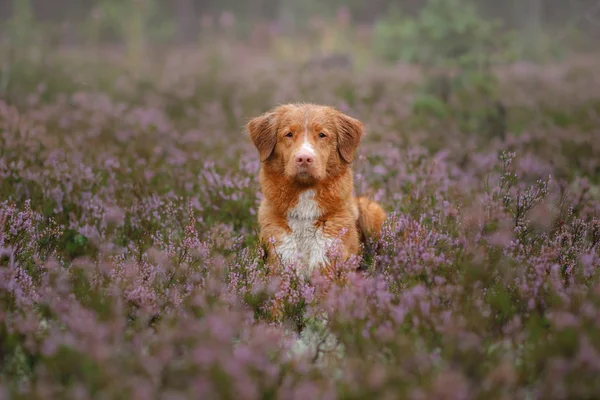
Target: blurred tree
{"type": "Point", "coordinates": [21, 25]}
{"type": "Point", "coordinates": [529, 17]}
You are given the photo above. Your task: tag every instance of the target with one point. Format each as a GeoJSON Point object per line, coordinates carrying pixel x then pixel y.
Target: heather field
{"type": "Point", "coordinates": [130, 267]}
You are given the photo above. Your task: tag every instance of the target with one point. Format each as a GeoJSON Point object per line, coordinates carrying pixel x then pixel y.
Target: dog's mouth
{"type": "Point", "coordinates": [305, 174]}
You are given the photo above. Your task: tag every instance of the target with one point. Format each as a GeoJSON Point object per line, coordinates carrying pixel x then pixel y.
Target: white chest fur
{"type": "Point", "coordinates": [306, 244]}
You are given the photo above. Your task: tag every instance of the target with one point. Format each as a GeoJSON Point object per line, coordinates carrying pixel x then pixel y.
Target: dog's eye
{"type": "Point", "coordinates": [322, 135]}
{"type": "Point", "coordinates": [289, 134]}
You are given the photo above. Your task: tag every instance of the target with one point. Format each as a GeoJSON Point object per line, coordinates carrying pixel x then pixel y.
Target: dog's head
{"type": "Point", "coordinates": [305, 142]}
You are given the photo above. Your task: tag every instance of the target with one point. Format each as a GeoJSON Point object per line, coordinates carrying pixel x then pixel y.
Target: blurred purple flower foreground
{"type": "Point", "coordinates": [129, 267]}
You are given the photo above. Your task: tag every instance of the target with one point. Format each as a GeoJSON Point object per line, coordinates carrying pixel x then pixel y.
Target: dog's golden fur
{"type": "Point", "coordinates": [306, 153]}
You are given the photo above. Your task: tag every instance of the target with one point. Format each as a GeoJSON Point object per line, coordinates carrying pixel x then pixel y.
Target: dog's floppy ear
{"type": "Point", "coordinates": [263, 132]}
{"type": "Point", "coordinates": [350, 131]}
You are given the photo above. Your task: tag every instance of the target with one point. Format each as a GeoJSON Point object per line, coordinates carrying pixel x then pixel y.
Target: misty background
{"type": "Point", "coordinates": [448, 51]}
{"type": "Point", "coordinates": [186, 14]}
{"type": "Point", "coordinates": [538, 23]}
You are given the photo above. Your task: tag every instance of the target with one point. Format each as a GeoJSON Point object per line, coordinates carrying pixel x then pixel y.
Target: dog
{"type": "Point", "coordinates": [309, 204]}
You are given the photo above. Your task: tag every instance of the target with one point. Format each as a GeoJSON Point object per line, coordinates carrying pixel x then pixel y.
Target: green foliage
{"type": "Point", "coordinates": [21, 25]}
{"type": "Point", "coordinates": [136, 22]}
{"type": "Point", "coordinates": [133, 18]}
{"type": "Point", "coordinates": [469, 98]}
{"type": "Point", "coordinates": [446, 32]}
{"type": "Point", "coordinates": [75, 244]}
{"type": "Point", "coordinates": [24, 42]}
{"type": "Point", "coordinates": [426, 105]}
{"type": "Point", "coordinates": [450, 35]}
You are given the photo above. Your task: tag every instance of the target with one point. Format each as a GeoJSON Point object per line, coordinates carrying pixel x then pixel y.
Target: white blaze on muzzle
{"type": "Point", "coordinates": [306, 145]}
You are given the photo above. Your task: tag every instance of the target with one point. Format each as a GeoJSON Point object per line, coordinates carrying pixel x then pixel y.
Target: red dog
{"type": "Point", "coordinates": [306, 151]}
